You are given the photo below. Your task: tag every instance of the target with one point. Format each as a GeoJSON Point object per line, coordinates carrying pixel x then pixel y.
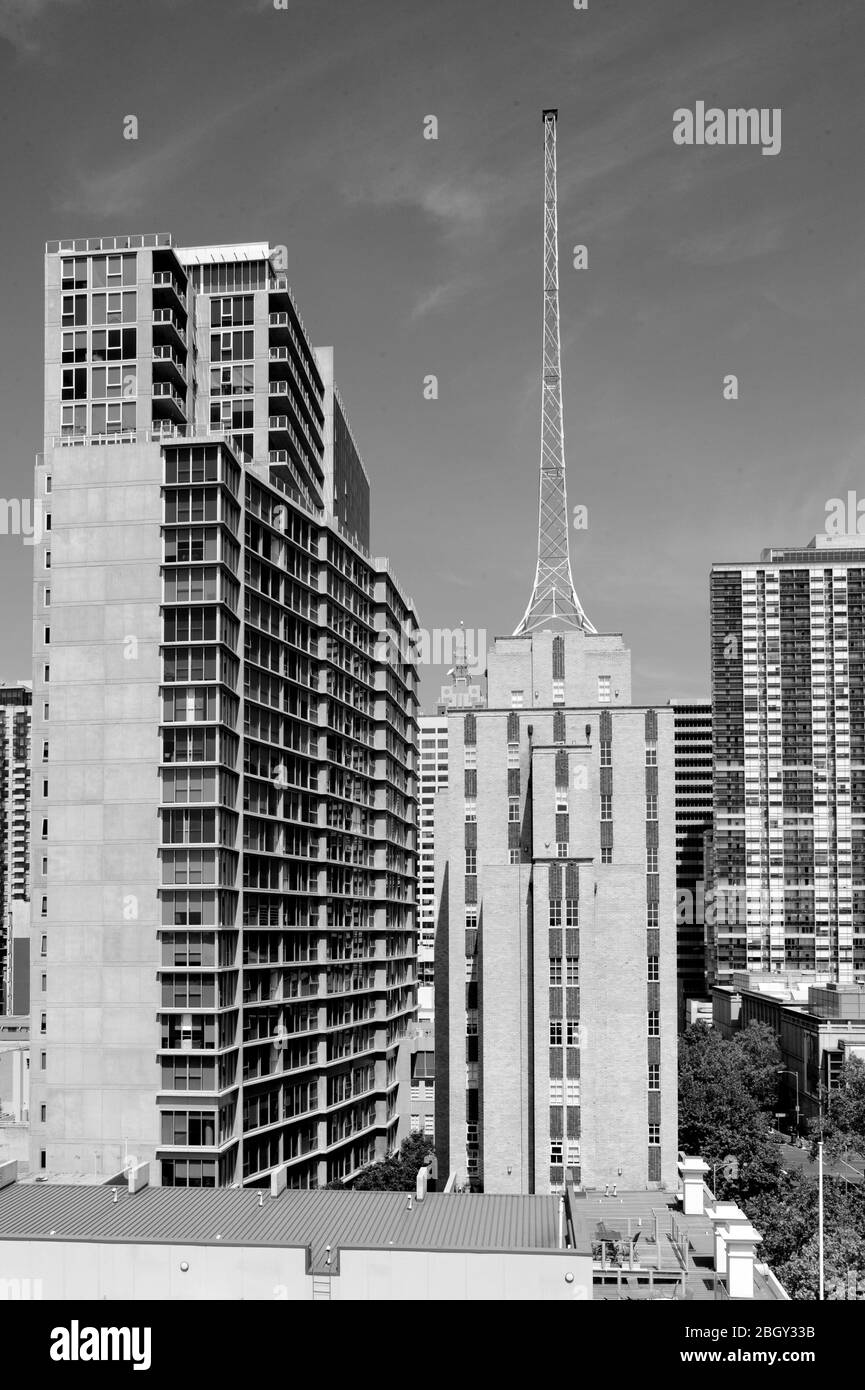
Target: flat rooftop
{"type": "Point", "coordinates": [350, 1220]}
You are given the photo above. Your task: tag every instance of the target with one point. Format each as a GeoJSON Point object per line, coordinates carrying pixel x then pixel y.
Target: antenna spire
{"type": "Point", "coordinates": [554, 598]}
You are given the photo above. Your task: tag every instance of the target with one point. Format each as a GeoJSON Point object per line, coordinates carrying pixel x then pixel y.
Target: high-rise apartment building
{"type": "Point", "coordinates": [692, 740]}
{"type": "Point", "coordinates": [433, 779]}
{"type": "Point", "coordinates": [788, 693]}
{"type": "Point", "coordinates": [225, 754]}
{"type": "Point", "coordinates": [16, 704]}
{"type": "Point", "coordinates": [556, 949]}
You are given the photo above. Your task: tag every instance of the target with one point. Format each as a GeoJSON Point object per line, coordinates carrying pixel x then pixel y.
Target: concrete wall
{"type": "Point", "coordinates": [101, 997]}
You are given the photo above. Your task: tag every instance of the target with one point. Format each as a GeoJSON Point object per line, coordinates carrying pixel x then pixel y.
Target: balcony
{"type": "Point", "coordinates": [167, 327]}
{"type": "Point", "coordinates": [169, 365]}
{"type": "Point", "coordinates": [168, 402]}
{"type": "Point", "coordinates": [168, 286]}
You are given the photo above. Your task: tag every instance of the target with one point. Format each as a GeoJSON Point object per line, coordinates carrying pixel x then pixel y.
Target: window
{"type": "Point", "coordinates": [556, 913]}
{"type": "Point", "coordinates": [513, 755]}
{"type": "Point", "coordinates": [471, 919]}
{"type": "Point", "coordinates": [471, 809]}
{"type": "Point", "coordinates": [48, 559]}
{"type": "Point", "coordinates": [654, 1134]}
{"type": "Point", "coordinates": [573, 1090]}
{"type": "Point", "coordinates": [652, 859]}
{"type": "Point", "coordinates": [517, 699]}
{"type": "Point", "coordinates": [652, 915]}
{"type": "Point", "coordinates": [558, 692]}
{"type": "Point", "coordinates": [43, 945]}
{"type": "Point", "coordinates": [651, 807]}
{"type": "Point", "coordinates": [573, 1033]}
{"type": "Point", "coordinates": [561, 802]}
{"type": "Point", "coordinates": [555, 1032]}
{"type": "Point", "coordinates": [562, 849]}
{"type": "Point", "coordinates": [43, 1061]}
{"type": "Point", "coordinates": [44, 982]}
{"type": "Point", "coordinates": [654, 1023]}
{"type": "Point", "coordinates": [513, 809]}
{"type": "Point", "coordinates": [43, 1158]}
{"type": "Point", "coordinates": [471, 1023]}
{"type": "Point", "coordinates": [513, 856]}
{"type": "Point", "coordinates": [572, 912]}
{"type": "Point", "coordinates": [654, 1076]}
{"type": "Point", "coordinates": [572, 967]}
{"type": "Point", "coordinates": [651, 755]}
{"type": "Point", "coordinates": [652, 969]}
{"type": "Point", "coordinates": [43, 1113]}
{"type": "Point", "coordinates": [606, 854]}
{"type": "Point", "coordinates": [429, 1125]}
{"type": "Point", "coordinates": [46, 674]}
{"type": "Point", "coordinates": [47, 598]}
{"type": "Point", "coordinates": [604, 689]}
{"type": "Point", "coordinates": [471, 861]}
{"type": "Point", "coordinates": [44, 864]}
{"type": "Point", "coordinates": [43, 1023]}
{"type": "Point", "coordinates": [45, 709]}
{"type": "Point", "coordinates": [556, 1151]}
{"type": "Point", "coordinates": [555, 972]}
{"type": "Point", "coordinates": [471, 757]}
{"type": "Point", "coordinates": [606, 807]}
{"type": "Point", "coordinates": [415, 1124]}
{"type": "Point", "coordinates": [45, 750]}
{"type": "Point", "coordinates": [606, 755]}
{"type": "Point", "coordinates": [45, 829]}
{"type": "Point", "coordinates": [557, 1091]}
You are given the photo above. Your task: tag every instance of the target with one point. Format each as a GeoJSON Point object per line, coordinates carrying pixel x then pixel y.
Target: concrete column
{"type": "Point", "coordinates": [723, 1216]}
{"type": "Point", "coordinates": [742, 1242]}
{"type": "Point", "coordinates": [692, 1174]}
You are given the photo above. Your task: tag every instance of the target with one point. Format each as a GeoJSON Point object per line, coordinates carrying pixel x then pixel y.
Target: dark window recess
{"type": "Point", "coordinates": [558, 658]}
{"type": "Point", "coordinates": [572, 881]}
{"type": "Point", "coordinates": [556, 1122]}
{"type": "Point", "coordinates": [573, 1061]}
{"type": "Point", "coordinates": [651, 725]}
{"type": "Point", "coordinates": [555, 882]}
{"type": "Point", "coordinates": [470, 729]}
{"type": "Point", "coordinates": [472, 994]}
{"type": "Point", "coordinates": [653, 894]}
{"type": "Point", "coordinates": [559, 732]}
{"type": "Point", "coordinates": [573, 1002]}
{"type": "Point", "coordinates": [654, 1049]}
{"type": "Point", "coordinates": [513, 781]}
{"type": "Point", "coordinates": [651, 781]}
{"type": "Point", "coordinates": [653, 992]}
{"type": "Point", "coordinates": [651, 834]}
{"type": "Point", "coordinates": [472, 1107]}
{"type": "Point", "coordinates": [572, 941]}
{"type": "Point", "coordinates": [471, 782]}
{"type": "Point", "coordinates": [573, 1122]}
{"type": "Point", "coordinates": [606, 781]}
{"type": "Point", "coordinates": [513, 728]}
{"type": "Point", "coordinates": [471, 834]}
{"type": "Point", "coordinates": [562, 771]}
{"type": "Point", "coordinates": [653, 942]}
{"type": "Point", "coordinates": [555, 1062]}
{"type": "Point", "coordinates": [563, 828]}
{"type": "Point", "coordinates": [605, 727]}
{"type": "Point", "coordinates": [654, 1107]}
{"type": "Point", "coordinates": [555, 943]}
{"type": "Point", "coordinates": [555, 1003]}
{"type": "Point", "coordinates": [654, 1165]}
{"type": "Point", "coordinates": [606, 834]}
{"type": "Point", "coordinates": [514, 834]}
{"type": "Point", "coordinates": [471, 893]}
{"type": "Point", "coordinates": [472, 1048]}
{"type": "Point", "coordinates": [471, 941]}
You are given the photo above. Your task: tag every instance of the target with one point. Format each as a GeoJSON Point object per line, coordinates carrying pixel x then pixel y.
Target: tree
{"type": "Point", "coordinates": [726, 1089]}
{"type": "Point", "coordinates": [398, 1172]}
{"type": "Point", "coordinates": [842, 1123]}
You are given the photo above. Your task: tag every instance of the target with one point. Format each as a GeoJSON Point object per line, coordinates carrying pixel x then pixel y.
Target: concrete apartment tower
{"type": "Point", "coordinates": [692, 737]}
{"type": "Point", "coordinates": [788, 693]}
{"type": "Point", "coordinates": [556, 940]}
{"type": "Point", "coordinates": [224, 754]}
{"type": "Point", "coordinates": [16, 703]}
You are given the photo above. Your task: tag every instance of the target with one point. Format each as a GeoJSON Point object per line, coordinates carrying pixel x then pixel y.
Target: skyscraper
{"type": "Point", "coordinates": [788, 692]}
{"type": "Point", "coordinates": [433, 779]}
{"type": "Point", "coordinates": [555, 975]}
{"type": "Point", "coordinates": [692, 738]}
{"type": "Point", "coordinates": [16, 704]}
{"type": "Point", "coordinates": [225, 753]}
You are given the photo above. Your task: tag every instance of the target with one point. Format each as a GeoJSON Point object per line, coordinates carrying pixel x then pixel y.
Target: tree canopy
{"type": "Point", "coordinates": [398, 1173]}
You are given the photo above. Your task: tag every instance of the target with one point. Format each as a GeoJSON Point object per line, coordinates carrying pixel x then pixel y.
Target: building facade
{"type": "Point", "coordinates": [16, 707]}
{"type": "Point", "coordinates": [433, 779]}
{"type": "Point", "coordinates": [226, 758]}
{"type": "Point", "coordinates": [692, 738]}
{"type": "Point", "coordinates": [556, 945]}
{"type": "Point", "coordinates": [788, 694]}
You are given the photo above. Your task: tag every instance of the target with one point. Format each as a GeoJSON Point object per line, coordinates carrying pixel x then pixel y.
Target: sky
{"type": "Point", "coordinates": [304, 126]}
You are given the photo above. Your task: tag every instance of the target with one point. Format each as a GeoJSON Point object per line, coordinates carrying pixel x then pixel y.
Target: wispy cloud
{"type": "Point", "coordinates": [23, 22]}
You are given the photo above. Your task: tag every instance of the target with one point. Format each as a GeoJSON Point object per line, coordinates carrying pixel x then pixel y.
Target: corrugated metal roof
{"type": "Point", "coordinates": [360, 1220]}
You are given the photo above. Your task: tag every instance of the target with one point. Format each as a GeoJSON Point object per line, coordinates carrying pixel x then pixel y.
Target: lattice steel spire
{"type": "Point", "coordinates": [554, 598]}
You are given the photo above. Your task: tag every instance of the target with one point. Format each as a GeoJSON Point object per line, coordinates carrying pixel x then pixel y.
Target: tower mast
{"type": "Point", "coordinates": [554, 598]}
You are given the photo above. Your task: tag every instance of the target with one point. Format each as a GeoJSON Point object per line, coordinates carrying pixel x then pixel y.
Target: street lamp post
{"type": "Point", "coordinates": [786, 1071]}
